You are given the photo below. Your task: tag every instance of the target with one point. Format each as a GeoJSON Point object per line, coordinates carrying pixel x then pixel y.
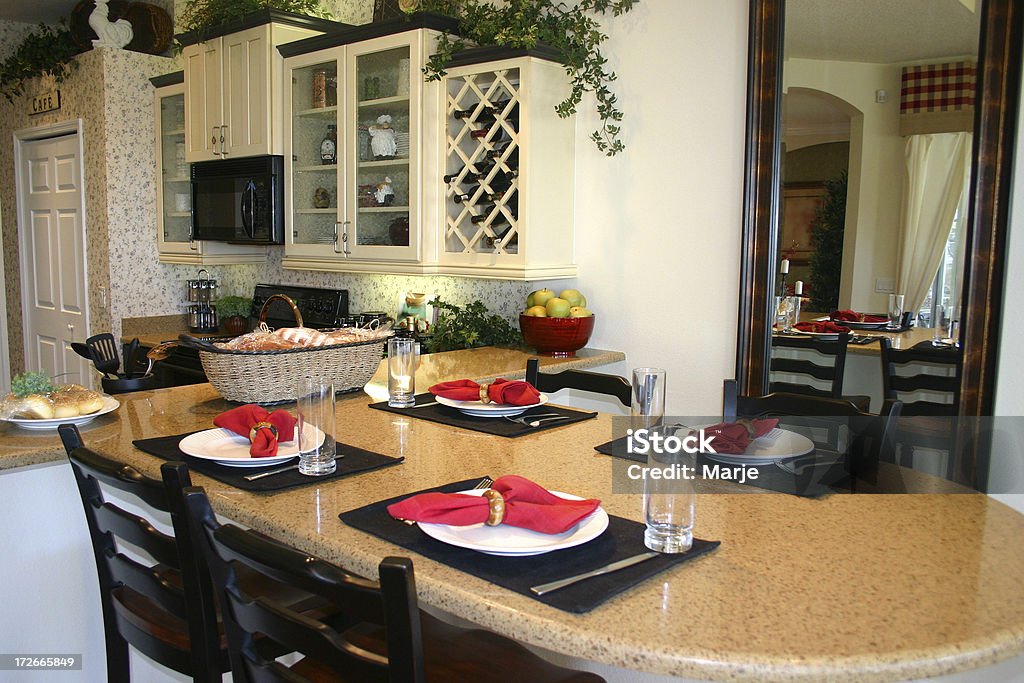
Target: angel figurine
{"type": "Point", "coordinates": [383, 141]}
{"type": "Point", "coordinates": [385, 193]}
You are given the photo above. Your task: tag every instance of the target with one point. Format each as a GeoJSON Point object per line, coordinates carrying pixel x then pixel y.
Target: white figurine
{"type": "Point", "coordinates": [384, 193]}
{"type": "Point", "coordinates": [109, 34]}
{"type": "Point", "coordinates": [382, 137]}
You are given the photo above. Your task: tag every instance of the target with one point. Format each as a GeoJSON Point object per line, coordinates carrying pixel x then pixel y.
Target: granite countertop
{"type": "Point", "coordinates": [841, 588]}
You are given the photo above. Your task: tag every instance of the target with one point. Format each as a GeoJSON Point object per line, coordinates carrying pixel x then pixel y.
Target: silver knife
{"type": "Point", "coordinates": [279, 470]}
{"type": "Point", "coordinates": [607, 569]}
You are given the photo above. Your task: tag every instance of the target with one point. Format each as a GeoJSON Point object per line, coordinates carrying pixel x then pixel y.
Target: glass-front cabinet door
{"type": "Point", "coordinates": [175, 196]}
{"type": "Point", "coordinates": [353, 114]}
{"type": "Point", "coordinates": [316, 207]}
{"type": "Point", "coordinates": [382, 125]}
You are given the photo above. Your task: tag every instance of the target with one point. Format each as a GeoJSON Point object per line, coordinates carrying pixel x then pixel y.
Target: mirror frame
{"type": "Point", "coordinates": [995, 120]}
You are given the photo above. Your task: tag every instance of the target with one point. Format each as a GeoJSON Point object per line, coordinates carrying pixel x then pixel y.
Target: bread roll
{"type": "Point", "coordinates": [65, 404]}
{"type": "Point", "coordinates": [304, 336]}
{"type": "Point", "coordinates": [88, 402]}
{"type": "Point", "coordinates": [37, 407]}
{"type": "Point", "coordinates": [70, 389]}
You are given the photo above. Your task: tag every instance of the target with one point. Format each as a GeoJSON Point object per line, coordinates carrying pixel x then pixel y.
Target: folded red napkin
{"type": "Point", "coordinates": [242, 419]}
{"type": "Point", "coordinates": [854, 317]}
{"type": "Point", "coordinates": [734, 437]}
{"type": "Point", "coordinates": [510, 392]}
{"type": "Point", "coordinates": [527, 505]}
{"type": "Point", "coordinates": [820, 326]}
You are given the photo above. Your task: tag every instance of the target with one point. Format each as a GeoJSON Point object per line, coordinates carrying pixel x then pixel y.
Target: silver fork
{"type": "Point", "coordinates": [536, 420]}
{"type": "Point", "coordinates": [484, 483]}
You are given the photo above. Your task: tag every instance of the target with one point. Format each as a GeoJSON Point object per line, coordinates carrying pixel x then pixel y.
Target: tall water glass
{"type": "Point", "coordinates": [401, 372]}
{"type": "Point", "coordinates": [316, 426]}
{"type": "Point", "coordinates": [895, 311]}
{"type": "Point", "coordinates": [947, 326]}
{"type": "Point", "coordinates": [647, 407]}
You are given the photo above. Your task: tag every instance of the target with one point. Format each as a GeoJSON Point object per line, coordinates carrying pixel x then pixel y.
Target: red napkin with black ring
{"type": "Point", "coordinates": [504, 391]}
{"type": "Point", "coordinates": [264, 430]}
{"type": "Point", "coordinates": [733, 438]}
{"type": "Point", "coordinates": [526, 504]}
{"type": "Point", "coordinates": [821, 326]}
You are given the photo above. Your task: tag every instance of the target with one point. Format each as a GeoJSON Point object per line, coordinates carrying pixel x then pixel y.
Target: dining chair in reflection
{"type": "Point", "coordinates": [815, 367]}
{"type": "Point", "coordinates": [157, 604]}
{"type": "Point", "coordinates": [927, 380]}
{"type": "Point", "coordinates": [866, 438]}
{"type": "Point", "coordinates": [583, 380]}
{"type": "Point", "coordinates": [391, 639]}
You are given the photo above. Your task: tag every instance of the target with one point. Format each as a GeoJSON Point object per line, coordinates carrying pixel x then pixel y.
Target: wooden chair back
{"type": "Point", "coordinates": [828, 367]}
{"type": "Point", "coordinates": [391, 604]}
{"type": "Point", "coordinates": [583, 380]}
{"type": "Point", "coordinates": [898, 384]}
{"type": "Point", "coordinates": [144, 603]}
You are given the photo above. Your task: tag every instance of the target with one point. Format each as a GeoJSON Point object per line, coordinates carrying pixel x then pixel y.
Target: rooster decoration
{"type": "Point", "coordinates": [109, 33]}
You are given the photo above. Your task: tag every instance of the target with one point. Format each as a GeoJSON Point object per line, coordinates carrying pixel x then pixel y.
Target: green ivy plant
{"type": "Point", "coordinates": [48, 50]}
{"type": "Point", "coordinates": [467, 327]}
{"type": "Point", "coordinates": [202, 16]}
{"type": "Point", "coordinates": [572, 29]}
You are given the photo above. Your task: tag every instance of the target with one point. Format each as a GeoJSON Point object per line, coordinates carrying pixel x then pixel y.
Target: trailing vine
{"type": "Point", "coordinates": [48, 50]}
{"type": "Point", "coordinates": [574, 30]}
{"type": "Point", "coordinates": [202, 16]}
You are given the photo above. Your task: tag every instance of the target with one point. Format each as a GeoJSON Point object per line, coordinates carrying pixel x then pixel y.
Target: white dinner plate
{"type": "Point", "coordinates": [775, 445]}
{"type": "Point", "coordinates": [478, 409]}
{"type": "Point", "coordinates": [514, 541]}
{"type": "Point", "coordinates": [224, 447]}
{"type": "Point", "coordinates": [861, 325]}
{"type": "Point", "coordinates": [109, 405]}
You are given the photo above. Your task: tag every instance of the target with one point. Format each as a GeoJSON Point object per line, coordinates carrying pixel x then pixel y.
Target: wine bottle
{"type": "Point", "coordinates": [501, 181]}
{"type": "Point", "coordinates": [500, 136]}
{"type": "Point", "coordinates": [471, 176]}
{"type": "Point", "coordinates": [488, 113]}
{"type": "Point", "coordinates": [460, 198]}
{"type": "Point", "coordinates": [511, 161]}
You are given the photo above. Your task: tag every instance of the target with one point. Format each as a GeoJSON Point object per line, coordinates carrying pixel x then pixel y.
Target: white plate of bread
{"type": "Point", "coordinates": [105, 403]}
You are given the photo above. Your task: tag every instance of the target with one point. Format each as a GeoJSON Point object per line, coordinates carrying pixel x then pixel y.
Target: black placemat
{"type": "Point", "coordinates": [351, 460]}
{"type": "Point", "coordinates": [812, 482]}
{"type": "Point", "coordinates": [622, 539]}
{"type": "Point", "coordinates": [497, 426]}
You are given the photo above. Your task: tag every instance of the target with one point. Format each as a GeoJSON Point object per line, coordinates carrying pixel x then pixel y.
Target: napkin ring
{"type": "Point", "coordinates": [485, 397]}
{"type": "Point", "coordinates": [496, 507]}
{"type": "Point", "coordinates": [261, 425]}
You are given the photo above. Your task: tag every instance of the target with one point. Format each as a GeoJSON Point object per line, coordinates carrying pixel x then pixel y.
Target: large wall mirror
{"type": "Point", "coordinates": [824, 117]}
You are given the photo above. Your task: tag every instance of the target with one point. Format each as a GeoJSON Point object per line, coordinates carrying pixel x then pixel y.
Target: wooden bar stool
{"type": "Point", "coordinates": [392, 641]}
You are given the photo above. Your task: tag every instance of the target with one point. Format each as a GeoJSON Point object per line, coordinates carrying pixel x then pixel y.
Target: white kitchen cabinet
{"type": "Point", "coordinates": [366, 211]}
{"type": "Point", "coordinates": [232, 92]}
{"type": "Point", "coordinates": [174, 189]}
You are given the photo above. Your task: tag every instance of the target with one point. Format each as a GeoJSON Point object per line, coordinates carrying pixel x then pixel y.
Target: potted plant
{"type": "Point", "coordinates": [572, 29]}
{"type": "Point", "coordinates": [469, 326]}
{"type": "Point", "coordinates": [234, 313]}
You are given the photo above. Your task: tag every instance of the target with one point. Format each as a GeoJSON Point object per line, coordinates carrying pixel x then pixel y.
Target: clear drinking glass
{"type": "Point", "coordinates": [648, 405]}
{"type": "Point", "coordinates": [794, 312]}
{"type": "Point", "coordinates": [401, 372]}
{"type": "Point", "coordinates": [947, 326]}
{"type": "Point", "coordinates": [316, 426]}
{"type": "Point", "coordinates": [895, 311]}
{"type": "Point", "coordinates": [784, 313]}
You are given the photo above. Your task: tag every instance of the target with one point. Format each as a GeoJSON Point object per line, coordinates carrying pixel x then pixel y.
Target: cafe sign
{"type": "Point", "coordinates": [47, 101]}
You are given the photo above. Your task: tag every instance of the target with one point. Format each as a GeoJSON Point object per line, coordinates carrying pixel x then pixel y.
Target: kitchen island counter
{"type": "Point", "coordinates": [846, 587]}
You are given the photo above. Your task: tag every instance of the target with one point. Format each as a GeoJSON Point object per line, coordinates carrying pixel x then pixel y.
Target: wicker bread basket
{"type": "Point", "coordinates": [269, 377]}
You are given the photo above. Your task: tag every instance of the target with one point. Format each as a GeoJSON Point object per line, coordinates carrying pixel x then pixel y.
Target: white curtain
{"type": "Point", "coordinates": [936, 169]}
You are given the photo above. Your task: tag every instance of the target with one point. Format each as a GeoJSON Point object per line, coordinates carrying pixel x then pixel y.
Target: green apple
{"type": "Point", "coordinates": [542, 296]}
{"type": "Point", "coordinates": [574, 297]}
{"type": "Point", "coordinates": [580, 312]}
{"type": "Point", "coordinates": [536, 312]}
{"type": "Point", "coordinates": [530, 303]}
{"type": "Point", "coordinates": [557, 308]}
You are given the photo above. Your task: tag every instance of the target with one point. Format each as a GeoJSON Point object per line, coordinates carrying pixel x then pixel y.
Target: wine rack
{"type": "Point", "coordinates": [506, 178]}
{"type": "Point", "coordinates": [482, 172]}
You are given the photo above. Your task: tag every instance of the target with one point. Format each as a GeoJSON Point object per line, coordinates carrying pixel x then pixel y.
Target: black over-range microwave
{"type": "Point", "coordinates": [239, 200]}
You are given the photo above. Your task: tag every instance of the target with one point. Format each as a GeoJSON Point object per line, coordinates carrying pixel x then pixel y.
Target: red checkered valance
{"type": "Point", "coordinates": [937, 98]}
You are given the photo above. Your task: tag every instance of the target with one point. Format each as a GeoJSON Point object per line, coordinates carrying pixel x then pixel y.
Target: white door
{"type": "Point", "coordinates": [247, 102]}
{"type": "Point", "coordinates": [52, 239]}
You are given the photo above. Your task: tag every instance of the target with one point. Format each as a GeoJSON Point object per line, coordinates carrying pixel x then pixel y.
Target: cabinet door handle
{"type": "Point", "coordinates": [337, 233]}
{"type": "Point", "coordinates": [344, 238]}
{"type": "Point", "coordinates": [213, 140]}
{"type": "Point", "coordinates": [223, 147]}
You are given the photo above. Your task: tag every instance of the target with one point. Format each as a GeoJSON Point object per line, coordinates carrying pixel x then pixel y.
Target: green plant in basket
{"type": "Point", "coordinates": [201, 17]}
{"type": "Point", "coordinates": [469, 326]}
{"type": "Point", "coordinates": [231, 306]}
